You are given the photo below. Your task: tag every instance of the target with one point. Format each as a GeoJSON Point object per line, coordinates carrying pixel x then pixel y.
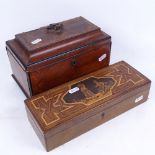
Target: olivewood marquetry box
{"type": "Point", "coordinates": [49, 56]}
{"type": "Point", "coordinates": [63, 113]}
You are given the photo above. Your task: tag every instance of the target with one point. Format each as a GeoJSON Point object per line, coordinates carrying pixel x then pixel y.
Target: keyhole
{"type": "Point", "coordinates": [102, 115]}
{"type": "Point", "coordinates": [74, 62]}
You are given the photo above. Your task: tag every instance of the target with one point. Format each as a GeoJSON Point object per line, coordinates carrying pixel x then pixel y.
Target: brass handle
{"type": "Point", "coordinates": [57, 27]}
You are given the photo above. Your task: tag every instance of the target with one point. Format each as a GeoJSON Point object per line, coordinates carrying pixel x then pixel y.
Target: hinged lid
{"type": "Point", "coordinates": [55, 39]}
{"type": "Point", "coordinates": [62, 107]}
{"type": "Point", "coordinates": [54, 33]}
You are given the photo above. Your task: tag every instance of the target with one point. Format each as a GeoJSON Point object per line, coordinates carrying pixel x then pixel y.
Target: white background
{"type": "Point", "coordinates": [131, 23]}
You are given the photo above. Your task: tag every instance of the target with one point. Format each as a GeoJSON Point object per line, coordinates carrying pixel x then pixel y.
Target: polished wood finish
{"type": "Point", "coordinates": [70, 53]}
{"type": "Point", "coordinates": [67, 111]}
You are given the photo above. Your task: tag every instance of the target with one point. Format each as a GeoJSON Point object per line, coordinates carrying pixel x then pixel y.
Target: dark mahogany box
{"type": "Point", "coordinates": [67, 111]}
{"type": "Point", "coordinates": [49, 56]}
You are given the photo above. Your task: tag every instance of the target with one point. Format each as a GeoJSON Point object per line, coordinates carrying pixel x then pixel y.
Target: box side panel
{"type": "Point", "coordinates": [19, 75]}
{"type": "Point", "coordinates": [71, 66]}
{"type": "Point", "coordinates": [94, 121]}
{"type": "Point", "coordinates": [35, 127]}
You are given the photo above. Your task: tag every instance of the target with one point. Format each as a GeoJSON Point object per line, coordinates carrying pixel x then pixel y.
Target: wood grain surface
{"type": "Point", "coordinates": [55, 112]}
{"type": "Point", "coordinates": [71, 53]}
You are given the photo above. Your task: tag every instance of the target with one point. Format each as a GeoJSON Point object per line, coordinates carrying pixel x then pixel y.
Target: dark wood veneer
{"type": "Point", "coordinates": [71, 53]}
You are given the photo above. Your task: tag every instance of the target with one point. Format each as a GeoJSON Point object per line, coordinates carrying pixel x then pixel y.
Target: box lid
{"type": "Point", "coordinates": [62, 107]}
{"type": "Point", "coordinates": [54, 33]}
{"type": "Point", "coordinates": [52, 40]}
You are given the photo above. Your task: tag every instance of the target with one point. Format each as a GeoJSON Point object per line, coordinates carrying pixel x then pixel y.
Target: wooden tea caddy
{"type": "Point", "coordinates": [57, 53]}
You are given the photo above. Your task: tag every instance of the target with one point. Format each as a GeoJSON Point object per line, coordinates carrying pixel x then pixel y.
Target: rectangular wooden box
{"type": "Point", "coordinates": [49, 56]}
{"type": "Point", "coordinates": [65, 112]}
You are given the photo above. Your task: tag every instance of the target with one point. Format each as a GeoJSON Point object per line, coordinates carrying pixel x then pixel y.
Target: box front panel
{"type": "Point", "coordinates": [85, 60]}
{"type": "Point", "coordinates": [94, 121]}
